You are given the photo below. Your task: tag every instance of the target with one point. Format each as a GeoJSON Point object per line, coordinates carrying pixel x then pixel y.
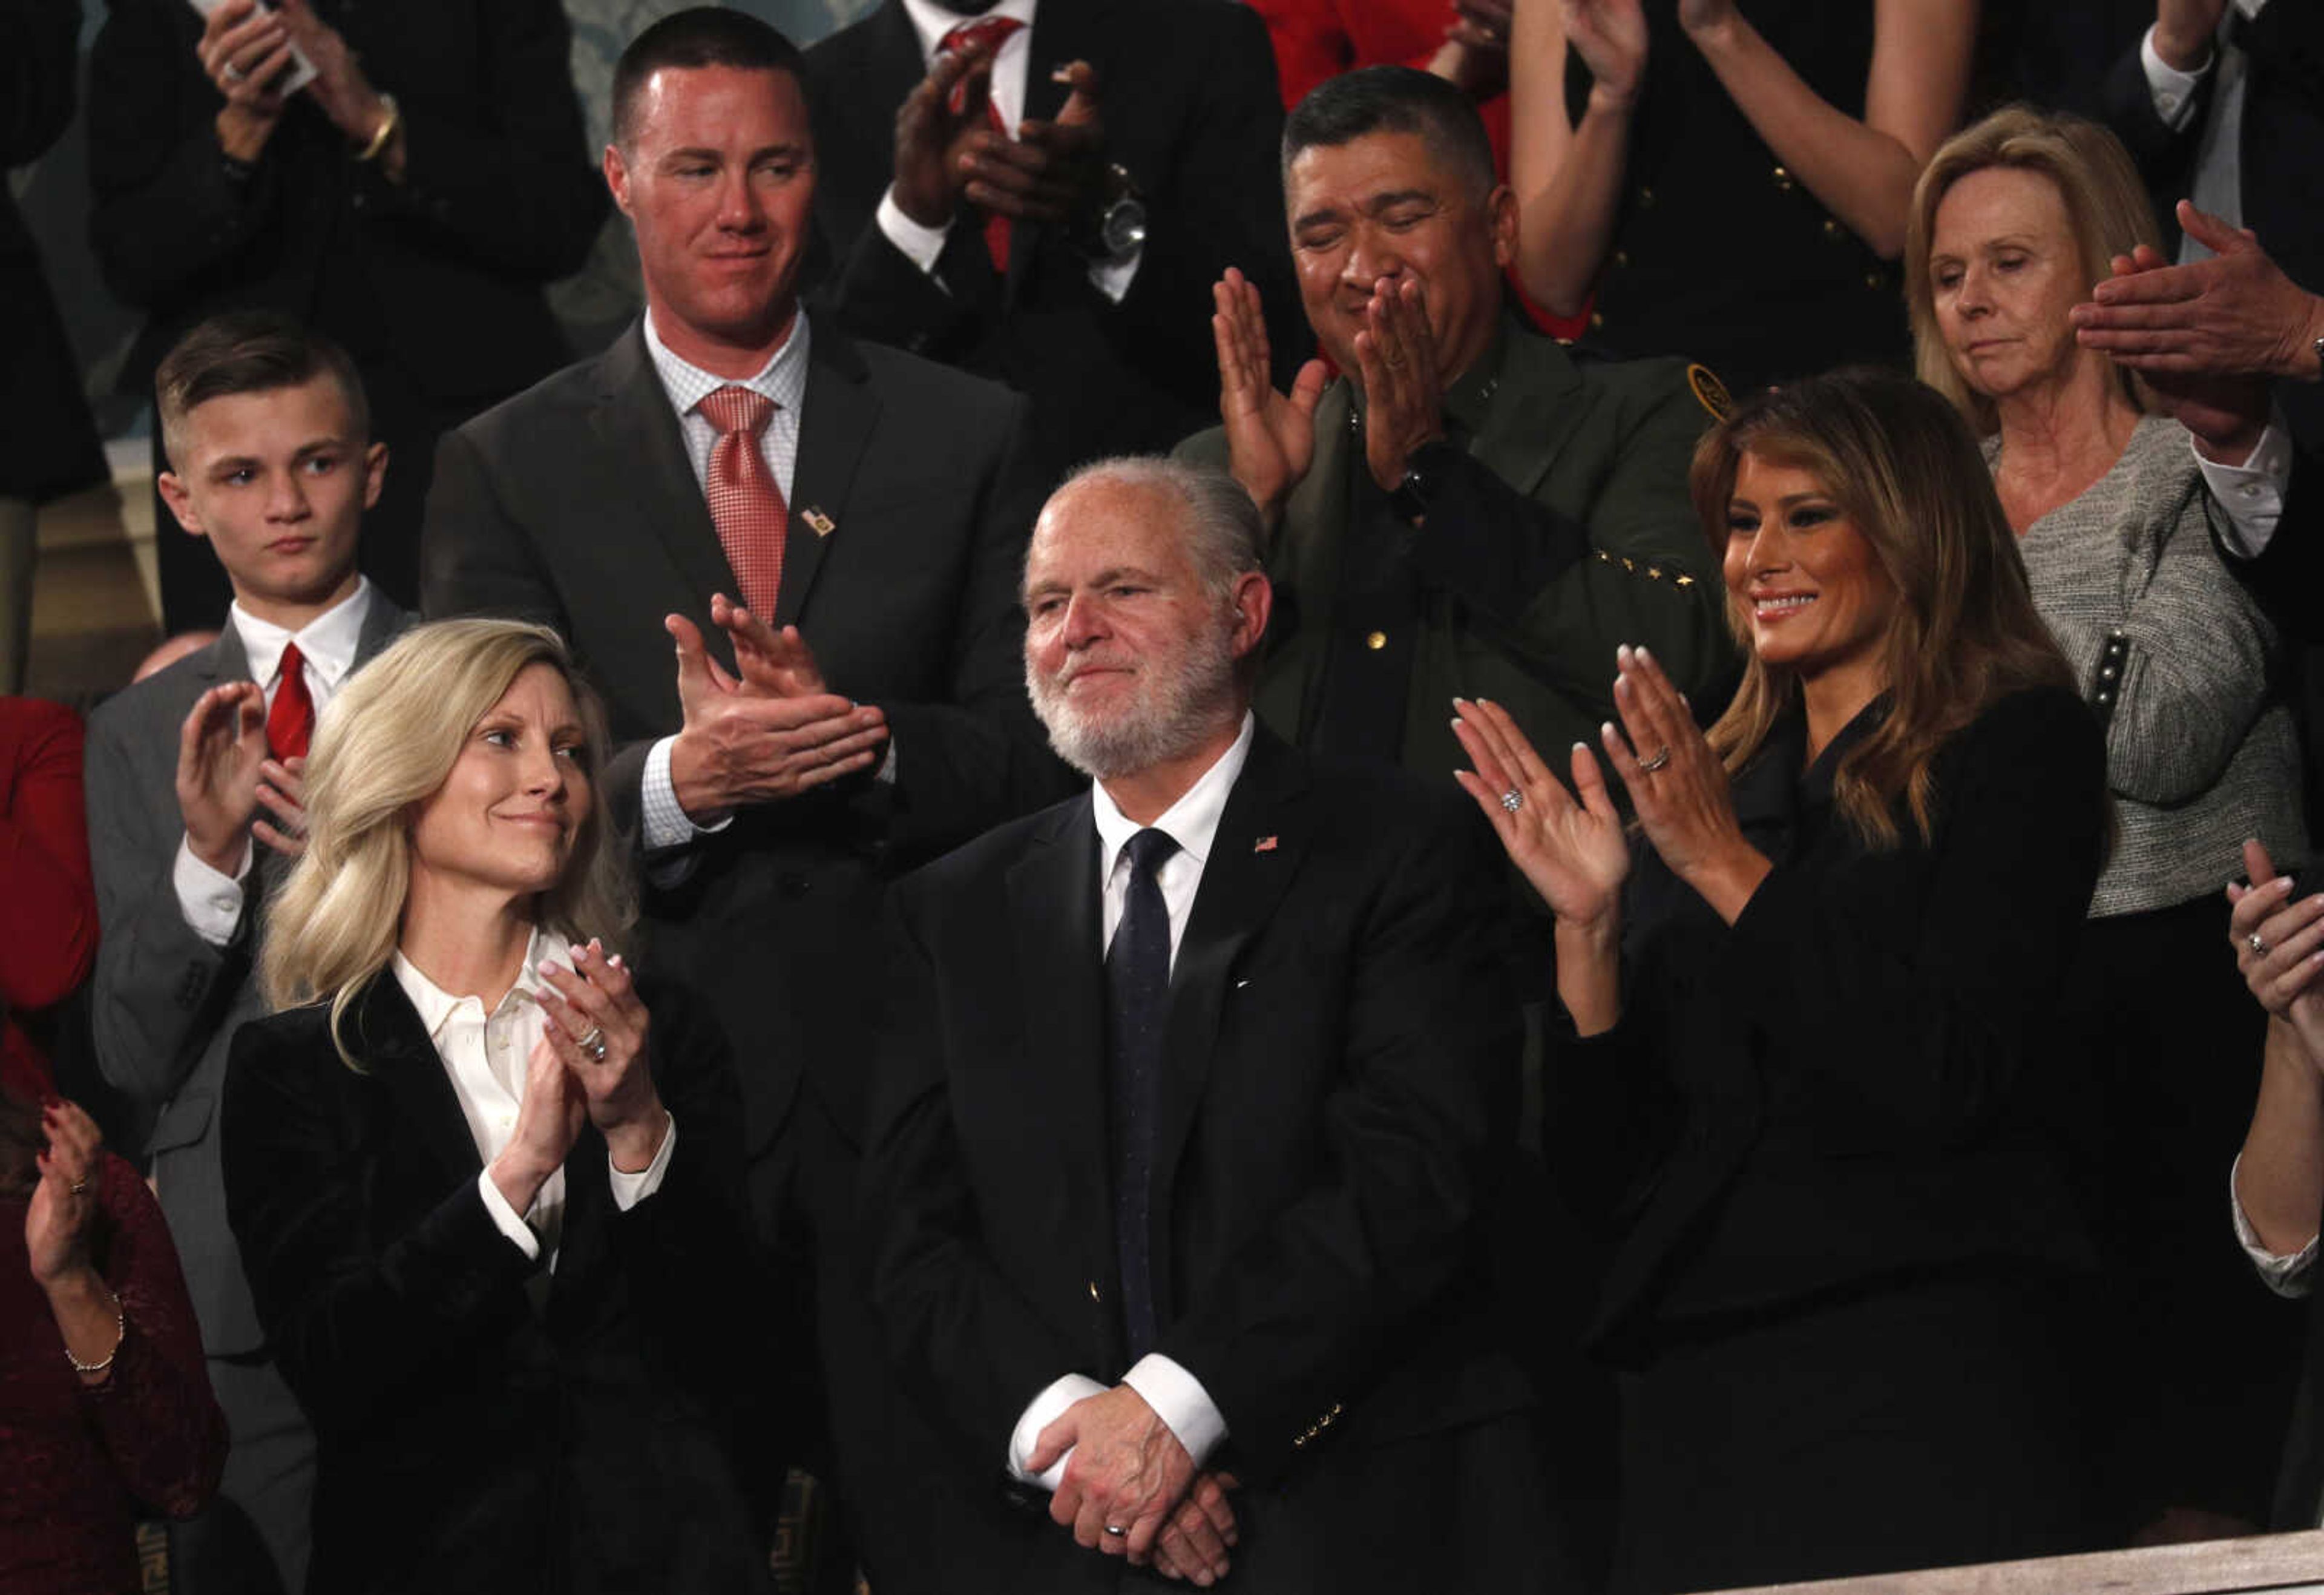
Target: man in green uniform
{"type": "Point", "coordinates": [1464, 511]}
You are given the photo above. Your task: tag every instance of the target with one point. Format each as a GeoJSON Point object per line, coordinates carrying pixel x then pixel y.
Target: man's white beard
{"type": "Point", "coordinates": [1178, 703]}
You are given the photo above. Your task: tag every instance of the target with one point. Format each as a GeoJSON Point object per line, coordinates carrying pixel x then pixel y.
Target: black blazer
{"type": "Point", "coordinates": [574, 504]}
{"type": "Point", "coordinates": [466, 1441]}
{"type": "Point", "coordinates": [47, 445]}
{"type": "Point", "coordinates": [439, 278]}
{"type": "Point", "coordinates": [1187, 91]}
{"type": "Point", "coordinates": [1340, 1060]}
{"type": "Point", "coordinates": [1852, 1081]}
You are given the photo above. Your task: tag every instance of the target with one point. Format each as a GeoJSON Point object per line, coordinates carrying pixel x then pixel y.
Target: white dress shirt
{"type": "Point", "coordinates": [1011, 65]}
{"type": "Point", "coordinates": [1176, 1397]}
{"type": "Point", "coordinates": [212, 902]}
{"type": "Point", "coordinates": [485, 1056]}
{"type": "Point", "coordinates": [2288, 1274]}
{"type": "Point", "coordinates": [2217, 181]}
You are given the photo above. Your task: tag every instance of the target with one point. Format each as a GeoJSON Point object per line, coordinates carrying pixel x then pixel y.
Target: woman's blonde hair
{"type": "Point", "coordinates": [382, 747]}
{"type": "Point", "coordinates": [2106, 206]}
{"type": "Point", "coordinates": [1903, 467]}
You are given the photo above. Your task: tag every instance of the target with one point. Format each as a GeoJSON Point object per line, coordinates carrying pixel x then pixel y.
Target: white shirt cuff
{"type": "Point", "coordinates": [1039, 1415]}
{"type": "Point", "coordinates": [210, 902]}
{"type": "Point", "coordinates": [2286, 1274]}
{"type": "Point", "coordinates": [509, 1222]}
{"type": "Point", "coordinates": [2172, 90]}
{"type": "Point", "coordinates": [920, 245]}
{"type": "Point", "coordinates": [629, 1189]}
{"type": "Point", "coordinates": [1112, 277]}
{"type": "Point", "coordinates": [2251, 495]}
{"type": "Point", "coordinates": [665, 822]}
{"type": "Point", "coordinates": [1179, 1400]}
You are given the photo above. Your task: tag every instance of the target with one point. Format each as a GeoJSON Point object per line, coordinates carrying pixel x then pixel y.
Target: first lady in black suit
{"type": "Point", "coordinates": [1804, 1083]}
{"type": "Point", "coordinates": [492, 1216]}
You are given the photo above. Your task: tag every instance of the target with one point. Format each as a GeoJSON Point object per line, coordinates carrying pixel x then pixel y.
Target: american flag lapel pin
{"type": "Point", "coordinates": [821, 524]}
{"type": "Point", "coordinates": [1264, 844]}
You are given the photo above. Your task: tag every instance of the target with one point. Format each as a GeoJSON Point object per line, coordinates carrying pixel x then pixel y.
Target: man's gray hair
{"type": "Point", "coordinates": [1226, 534]}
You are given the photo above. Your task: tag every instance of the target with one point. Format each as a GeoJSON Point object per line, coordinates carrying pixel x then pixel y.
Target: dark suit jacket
{"type": "Point", "coordinates": [49, 445]}
{"type": "Point", "coordinates": [1187, 92]}
{"type": "Point", "coordinates": [574, 504]}
{"type": "Point", "coordinates": [1340, 1060]}
{"type": "Point", "coordinates": [165, 1003]}
{"type": "Point", "coordinates": [439, 278]}
{"type": "Point", "coordinates": [467, 1441]}
{"type": "Point", "coordinates": [1851, 1083]}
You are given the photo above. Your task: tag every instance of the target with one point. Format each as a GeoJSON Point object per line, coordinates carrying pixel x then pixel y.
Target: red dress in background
{"type": "Point", "coordinates": [48, 905]}
{"type": "Point", "coordinates": [82, 1463]}
{"type": "Point", "coordinates": [1318, 38]}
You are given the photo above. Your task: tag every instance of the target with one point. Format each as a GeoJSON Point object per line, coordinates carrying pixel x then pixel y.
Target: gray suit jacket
{"type": "Point", "coordinates": [164, 1003]}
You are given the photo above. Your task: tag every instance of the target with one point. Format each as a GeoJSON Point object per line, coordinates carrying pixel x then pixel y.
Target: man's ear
{"type": "Point", "coordinates": [1254, 601]}
{"type": "Point", "coordinates": [181, 503]}
{"type": "Point", "coordinates": [617, 178]}
{"type": "Point", "coordinates": [1501, 220]}
{"type": "Point", "coordinates": [374, 472]}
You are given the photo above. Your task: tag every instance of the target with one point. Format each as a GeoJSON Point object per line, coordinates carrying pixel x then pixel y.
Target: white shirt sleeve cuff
{"type": "Point", "coordinates": [920, 245]}
{"type": "Point", "coordinates": [507, 1218]}
{"type": "Point", "coordinates": [665, 822]}
{"type": "Point", "coordinates": [2172, 90]}
{"type": "Point", "coordinates": [2251, 495]}
{"type": "Point", "coordinates": [629, 1189]}
{"type": "Point", "coordinates": [210, 902]}
{"type": "Point", "coordinates": [1112, 277]}
{"type": "Point", "coordinates": [2287, 1275]}
{"type": "Point", "coordinates": [1179, 1400]}
{"type": "Point", "coordinates": [1043, 1412]}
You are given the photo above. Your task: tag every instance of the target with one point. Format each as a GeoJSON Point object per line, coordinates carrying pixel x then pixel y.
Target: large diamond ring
{"type": "Point", "coordinates": [593, 1043]}
{"type": "Point", "coordinates": [2257, 944]}
{"type": "Point", "coordinates": [231, 73]}
{"type": "Point", "coordinates": [1513, 801]}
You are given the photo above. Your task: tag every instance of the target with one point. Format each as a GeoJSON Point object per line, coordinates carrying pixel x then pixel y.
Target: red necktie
{"type": "Point", "coordinates": [991, 30]}
{"type": "Point", "coordinates": [746, 504]}
{"type": "Point", "coordinates": [291, 721]}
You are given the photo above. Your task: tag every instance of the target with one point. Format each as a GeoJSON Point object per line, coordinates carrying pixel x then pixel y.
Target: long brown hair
{"type": "Point", "coordinates": [1899, 461]}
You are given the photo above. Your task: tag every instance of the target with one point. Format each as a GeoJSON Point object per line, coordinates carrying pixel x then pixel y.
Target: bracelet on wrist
{"type": "Point", "coordinates": [387, 127]}
{"type": "Point", "coordinates": [120, 1333]}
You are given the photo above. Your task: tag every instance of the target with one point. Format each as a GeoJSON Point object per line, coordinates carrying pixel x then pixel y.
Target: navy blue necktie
{"type": "Point", "coordinates": [1138, 1002]}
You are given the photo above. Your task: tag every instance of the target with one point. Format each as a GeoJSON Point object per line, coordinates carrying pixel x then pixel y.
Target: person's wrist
{"type": "Point", "coordinates": [222, 853]}
{"type": "Point", "coordinates": [633, 1142]}
{"type": "Point", "coordinates": [923, 205]}
{"type": "Point", "coordinates": [76, 1285]}
{"type": "Point", "coordinates": [241, 134]}
{"type": "Point", "coordinates": [2183, 52]}
{"type": "Point", "coordinates": [1608, 99]}
{"type": "Point", "coordinates": [518, 1177]}
{"type": "Point", "coordinates": [1714, 34]}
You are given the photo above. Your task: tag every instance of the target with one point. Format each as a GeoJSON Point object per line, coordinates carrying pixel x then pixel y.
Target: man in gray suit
{"type": "Point", "coordinates": [194, 793]}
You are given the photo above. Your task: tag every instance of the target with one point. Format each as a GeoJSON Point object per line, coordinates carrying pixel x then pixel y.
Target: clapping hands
{"type": "Point", "coordinates": [2279, 946]}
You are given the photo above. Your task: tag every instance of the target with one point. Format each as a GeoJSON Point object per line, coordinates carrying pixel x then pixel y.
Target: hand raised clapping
{"type": "Point", "coordinates": [1569, 846]}
{"type": "Point", "coordinates": [2280, 947]}
{"type": "Point", "coordinates": [1678, 786]}
{"type": "Point", "coordinates": [1270, 434]}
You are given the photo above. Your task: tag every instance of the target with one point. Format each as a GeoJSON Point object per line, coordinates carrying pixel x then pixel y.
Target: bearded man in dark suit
{"type": "Point", "coordinates": [1185, 1087]}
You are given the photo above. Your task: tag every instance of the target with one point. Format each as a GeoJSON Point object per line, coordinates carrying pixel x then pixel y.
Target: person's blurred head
{"type": "Point", "coordinates": [2014, 221]}
{"type": "Point", "coordinates": [1387, 175]}
{"type": "Point", "coordinates": [170, 650]}
{"type": "Point", "coordinates": [713, 160]}
{"type": "Point", "coordinates": [1145, 603]}
{"type": "Point", "coordinates": [268, 436]}
{"type": "Point", "coordinates": [1858, 527]}
{"type": "Point", "coordinates": [463, 759]}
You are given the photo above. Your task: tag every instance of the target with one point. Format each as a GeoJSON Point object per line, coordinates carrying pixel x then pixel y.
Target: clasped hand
{"type": "Point", "coordinates": [2279, 947]}
{"type": "Point", "coordinates": [946, 150]}
{"type": "Point", "coordinates": [1128, 1471]}
{"type": "Point", "coordinates": [567, 1084]}
{"type": "Point", "coordinates": [772, 732]}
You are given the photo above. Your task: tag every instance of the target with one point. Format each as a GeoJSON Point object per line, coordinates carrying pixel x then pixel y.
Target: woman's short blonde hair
{"type": "Point", "coordinates": [2106, 206]}
{"type": "Point", "coordinates": [1897, 460]}
{"type": "Point", "coordinates": [382, 747]}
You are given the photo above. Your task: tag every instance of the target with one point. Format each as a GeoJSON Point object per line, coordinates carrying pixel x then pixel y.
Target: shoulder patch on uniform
{"type": "Point", "coordinates": [1709, 392]}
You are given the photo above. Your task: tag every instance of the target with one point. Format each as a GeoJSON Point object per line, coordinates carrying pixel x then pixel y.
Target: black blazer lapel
{"type": "Point", "coordinates": [840, 412]}
{"type": "Point", "coordinates": [1053, 918]}
{"type": "Point", "coordinates": [643, 450]}
{"type": "Point", "coordinates": [1256, 850]}
{"type": "Point", "coordinates": [383, 1031]}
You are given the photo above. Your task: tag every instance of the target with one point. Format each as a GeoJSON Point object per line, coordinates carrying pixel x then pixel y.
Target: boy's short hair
{"type": "Point", "coordinates": [249, 352]}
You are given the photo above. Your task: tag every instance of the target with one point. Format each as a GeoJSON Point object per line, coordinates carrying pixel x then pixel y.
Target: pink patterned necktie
{"type": "Point", "coordinates": [993, 31]}
{"type": "Point", "coordinates": [746, 502]}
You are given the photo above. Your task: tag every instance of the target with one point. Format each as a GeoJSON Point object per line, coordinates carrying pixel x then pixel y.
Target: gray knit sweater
{"type": "Point", "coordinates": [2181, 666]}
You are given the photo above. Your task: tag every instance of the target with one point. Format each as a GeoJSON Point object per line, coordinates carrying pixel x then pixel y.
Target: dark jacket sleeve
{"type": "Point", "coordinates": [1315, 1304]}
{"type": "Point", "coordinates": [38, 77]}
